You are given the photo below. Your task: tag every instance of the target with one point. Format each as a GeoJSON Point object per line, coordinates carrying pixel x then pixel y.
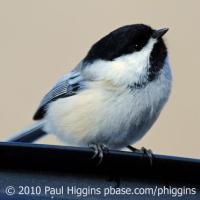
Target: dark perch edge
{"type": "Point", "coordinates": [34, 157]}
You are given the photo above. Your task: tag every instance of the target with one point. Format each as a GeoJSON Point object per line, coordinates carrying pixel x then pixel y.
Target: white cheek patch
{"type": "Point", "coordinates": [125, 70]}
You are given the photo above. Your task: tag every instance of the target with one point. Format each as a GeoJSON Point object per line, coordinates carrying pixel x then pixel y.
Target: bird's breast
{"type": "Point", "coordinates": [105, 114]}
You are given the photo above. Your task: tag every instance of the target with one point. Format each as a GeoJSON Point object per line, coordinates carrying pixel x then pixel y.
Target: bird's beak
{"type": "Point", "coordinates": [159, 33]}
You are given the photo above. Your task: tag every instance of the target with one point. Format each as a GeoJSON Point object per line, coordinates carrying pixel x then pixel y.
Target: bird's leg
{"type": "Point", "coordinates": [98, 151]}
{"type": "Point", "coordinates": [143, 150]}
{"type": "Point", "coordinates": [131, 148]}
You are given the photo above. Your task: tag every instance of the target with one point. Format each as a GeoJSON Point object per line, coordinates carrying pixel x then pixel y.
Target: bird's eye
{"type": "Point", "coordinates": [137, 47]}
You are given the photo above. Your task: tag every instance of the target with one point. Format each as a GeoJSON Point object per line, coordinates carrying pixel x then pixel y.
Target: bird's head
{"type": "Point", "coordinates": [127, 55]}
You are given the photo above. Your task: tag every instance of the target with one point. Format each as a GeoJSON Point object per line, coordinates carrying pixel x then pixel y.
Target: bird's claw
{"type": "Point", "coordinates": [149, 154]}
{"type": "Point", "coordinates": [98, 152]}
{"type": "Point", "coordinates": [144, 151]}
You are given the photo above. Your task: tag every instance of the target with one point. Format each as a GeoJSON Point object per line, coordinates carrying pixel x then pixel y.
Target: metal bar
{"type": "Point", "coordinates": [25, 156]}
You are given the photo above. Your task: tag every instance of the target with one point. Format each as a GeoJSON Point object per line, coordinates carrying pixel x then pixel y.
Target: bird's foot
{"type": "Point", "coordinates": [144, 151]}
{"type": "Point", "coordinates": [98, 151]}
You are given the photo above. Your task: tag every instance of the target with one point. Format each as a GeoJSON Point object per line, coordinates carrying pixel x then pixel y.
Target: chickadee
{"type": "Point", "coordinates": [114, 95]}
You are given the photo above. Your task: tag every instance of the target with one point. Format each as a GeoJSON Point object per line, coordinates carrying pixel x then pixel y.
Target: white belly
{"type": "Point", "coordinates": [114, 117]}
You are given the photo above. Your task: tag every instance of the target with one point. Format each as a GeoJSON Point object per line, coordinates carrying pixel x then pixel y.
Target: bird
{"type": "Point", "coordinates": [113, 96]}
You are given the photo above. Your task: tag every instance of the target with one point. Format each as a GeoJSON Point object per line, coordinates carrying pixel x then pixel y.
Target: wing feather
{"type": "Point", "coordinates": [67, 86]}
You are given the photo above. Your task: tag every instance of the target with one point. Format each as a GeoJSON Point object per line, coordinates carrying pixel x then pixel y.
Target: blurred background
{"type": "Point", "coordinates": [42, 39]}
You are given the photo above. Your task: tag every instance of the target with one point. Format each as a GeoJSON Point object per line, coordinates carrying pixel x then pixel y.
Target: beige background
{"type": "Point", "coordinates": [42, 39]}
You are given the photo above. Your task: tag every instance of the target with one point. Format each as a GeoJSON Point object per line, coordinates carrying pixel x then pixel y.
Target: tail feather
{"type": "Point", "coordinates": [29, 134]}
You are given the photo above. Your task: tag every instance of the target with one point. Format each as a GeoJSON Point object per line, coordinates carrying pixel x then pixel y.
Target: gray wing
{"type": "Point", "coordinates": [67, 86]}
